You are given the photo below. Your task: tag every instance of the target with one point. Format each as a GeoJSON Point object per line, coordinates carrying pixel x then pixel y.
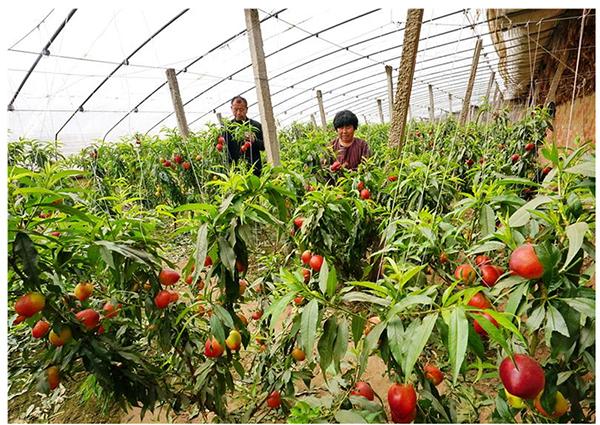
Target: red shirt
{"type": "Point", "coordinates": [351, 156]}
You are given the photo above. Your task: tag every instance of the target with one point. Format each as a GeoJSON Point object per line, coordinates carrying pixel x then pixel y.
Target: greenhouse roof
{"type": "Point", "coordinates": [102, 75]}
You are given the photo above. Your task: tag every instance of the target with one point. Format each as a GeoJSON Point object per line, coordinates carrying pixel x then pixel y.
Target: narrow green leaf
{"type": "Point", "coordinates": [487, 246]}
{"type": "Point", "coordinates": [331, 283]}
{"type": "Point", "coordinates": [576, 233]}
{"type": "Point", "coordinates": [308, 327]}
{"type": "Point", "coordinates": [395, 333]}
{"type": "Point", "coordinates": [224, 316]}
{"type": "Point", "coordinates": [536, 317]}
{"type": "Point", "coordinates": [521, 216]}
{"type": "Point", "coordinates": [323, 274]}
{"type": "Point", "coordinates": [487, 220]}
{"type": "Point", "coordinates": [277, 308]}
{"type": "Point", "coordinates": [407, 302]}
{"type": "Point", "coordinates": [216, 328]}
{"type": "Point", "coordinates": [458, 334]}
{"type": "Point", "coordinates": [555, 322]}
{"type": "Point", "coordinates": [325, 344]}
{"type": "Point", "coordinates": [515, 298]}
{"type": "Point", "coordinates": [585, 306]}
{"type": "Point", "coordinates": [587, 168]}
{"type": "Point", "coordinates": [356, 296]}
{"type": "Point", "coordinates": [349, 417]}
{"type": "Point", "coordinates": [370, 342]}
{"type": "Point", "coordinates": [341, 344]}
{"type": "Point", "coordinates": [358, 327]}
{"type": "Point", "coordinates": [417, 342]}
{"type": "Point", "coordinates": [226, 254]}
{"type": "Point", "coordinates": [201, 248]}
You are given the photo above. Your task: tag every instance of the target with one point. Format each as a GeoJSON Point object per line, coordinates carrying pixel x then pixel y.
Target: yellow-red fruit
{"type": "Point", "coordinates": [306, 275]}
{"type": "Point", "coordinates": [365, 194]}
{"type": "Point", "coordinates": [306, 255]}
{"type": "Point", "coordinates": [89, 317]}
{"type": "Point", "coordinates": [212, 348]}
{"type": "Point", "coordinates": [110, 310]}
{"type": "Point", "coordinates": [561, 405]}
{"type": "Point", "coordinates": [83, 290]}
{"type": "Point", "coordinates": [243, 286]}
{"type": "Point", "coordinates": [60, 339]}
{"type": "Point", "coordinates": [257, 314]}
{"type": "Point", "coordinates": [53, 377]}
{"type": "Point", "coordinates": [298, 300]}
{"type": "Point", "coordinates": [30, 304]}
{"type": "Point", "coordinates": [40, 329]}
{"type": "Point", "coordinates": [514, 401]}
{"type": "Point", "coordinates": [523, 378]}
{"type": "Point", "coordinates": [433, 374]}
{"type": "Point", "coordinates": [168, 277]}
{"type": "Point", "coordinates": [298, 354]}
{"type": "Point", "coordinates": [465, 273]}
{"type": "Point", "coordinates": [174, 296]}
{"type": "Point", "coordinates": [234, 340]}
{"type": "Point", "coordinates": [19, 319]}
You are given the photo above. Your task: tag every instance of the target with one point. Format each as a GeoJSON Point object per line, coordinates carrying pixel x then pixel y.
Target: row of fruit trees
{"type": "Point", "coordinates": [172, 280]}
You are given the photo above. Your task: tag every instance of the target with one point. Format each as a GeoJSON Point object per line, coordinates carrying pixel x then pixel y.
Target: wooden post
{"type": "Point", "coordinates": [450, 104]}
{"type": "Point", "coordinates": [365, 118]}
{"type": "Point", "coordinates": [380, 108]}
{"type": "Point", "coordinates": [489, 87]}
{"type": "Point", "coordinates": [467, 100]}
{"type": "Point", "coordinates": [321, 110]}
{"type": "Point", "coordinates": [390, 85]}
{"type": "Point", "coordinates": [313, 119]}
{"type": "Point", "coordinates": [177, 104]}
{"type": "Point", "coordinates": [410, 45]}
{"type": "Point", "coordinates": [220, 118]}
{"type": "Point", "coordinates": [261, 81]}
{"type": "Point", "coordinates": [431, 104]}
{"type": "Point", "coordinates": [556, 78]}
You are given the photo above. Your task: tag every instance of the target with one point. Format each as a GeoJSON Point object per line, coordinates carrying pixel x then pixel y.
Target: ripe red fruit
{"type": "Point", "coordinates": [189, 279]}
{"type": "Point", "coordinates": [478, 327]}
{"type": "Point", "coordinates": [274, 400]}
{"type": "Point", "coordinates": [298, 221]}
{"type": "Point", "coordinates": [306, 256]}
{"type": "Point", "coordinates": [178, 158]}
{"type": "Point", "coordinates": [515, 157]}
{"type": "Point", "coordinates": [89, 317]}
{"type": "Point", "coordinates": [53, 377]}
{"type": "Point", "coordinates": [19, 319]}
{"type": "Point", "coordinates": [443, 258]}
{"type": "Point", "coordinates": [299, 300]}
{"type": "Point", "coordinates": [363, 389]}
{"type": "Point", "coordinates": [83, 290]}
{"type": "Point", "coordinates": [480, 260]}
{"type": "Point", "coordinates": [523, 378]}
{"type": "Point", "coordinates": [162, 299]}
{"type": "Point", "coordinates": [316, 261]}
{"type": "Point", "coordinates": [489, 275]}
{"type": "Point", "coordinates": [239, 266]}
{"type": "Point", "coordinates": [529, 147]}
{"type": "Point", "coordinates": [186, 165]}
{"type": "Point", "coordinates": [257, 314]}
{"type": "Point", "coordinates": [100, 330]}
{"type": "Point", "coordinates": [220, 140]}
{"type": "Point", "coordinates": [166, 163]}
{"type": "Point", "coordinates": [220, 147]}
{"type": "Point", "coordinates": [306, 274]}
{"type": "Point", "coordinates": [392, 178]}
{"type": "Point", "coordinates": [479, 301]}
{"type": "Point", "coordinates": [405, 419]}
{"type": "Point", "coordinates": [40, 329]}
{"type": "Point", "coordinates": [208, 261]}
{"type": "Point", "coordinates": [546, 170]}
{"type": "Point", "coordinates": [212, 348]}
{"type": "Point", "coordinates": [174, 296]}
{"type": "Point", "coordinates": [465, 272]}
{"type": "Point", "coordinates": [365, 194]}
{"type": "Point", "coordinates": [30, 303]}
{"type": "Point", "coordinates": [360, 186]}
{"type": "Point", "coordinates": [402, 400]}
{"type": "Point", "coordinates": [335, 166]}
{"type": "Point", "coordinates": [469, 162]}
{"type": "Point", "coordinates": [168, 277]}
{"type": "Point", "coordinates": [245, 147]}
{"type": "Point", "coordinates": [433, 374]}
{"type": "Point", "coordinates": [525, 262]}
{"type": "Point", "coordinates": [55, 234]}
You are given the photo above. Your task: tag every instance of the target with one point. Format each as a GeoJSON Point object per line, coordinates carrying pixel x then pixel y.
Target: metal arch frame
{"type": "Point", "coordinates": [124, 62]}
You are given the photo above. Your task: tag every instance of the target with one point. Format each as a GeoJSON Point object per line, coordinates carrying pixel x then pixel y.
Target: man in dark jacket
{"type": "Point", "coordinates": [248, 146]}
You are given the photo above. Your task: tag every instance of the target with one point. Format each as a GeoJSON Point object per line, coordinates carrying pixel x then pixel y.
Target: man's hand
{"type": "Point", "coordinates": [249, 136]}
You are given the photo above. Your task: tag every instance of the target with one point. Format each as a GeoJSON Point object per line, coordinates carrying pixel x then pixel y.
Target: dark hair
{"type": "Point", "coordinates": [344, 118]}
{"type": "Point", "coordinates": [241, 99]}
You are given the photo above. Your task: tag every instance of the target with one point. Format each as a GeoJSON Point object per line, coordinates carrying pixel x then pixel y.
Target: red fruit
{"type": "Point", "coordinates": [19, 319]}
{"type": "Point", "coordinates": [299, 300]}
{"type": "Point", "coordinates": [220, 147]}
{"type": "Point", "coordinates": [306, 256]}
{"type": "Point", "coordinates": [443, 258]}
{"type": "Point", "coordinates": [274, 400]}
{"type": "Point", "coordinates": [186, 165]}
{"type": "Point", "coordinates": [298, 222]}
{"type": "Point", "coordinates": [220, 140]}
{"type": "Point", "coordinates": [405, 419]}
{"type": "Point", "coordinates": [243, 286]}
{"type": "Point", "coordinates": [480, 260]}
{"type": "Point", "coordinates": [525, 262]}
{"type": "Point", "coordinates": [60, 339]}
{"type": "Point", "coordinates": [316, 261]}
{"type": "Point", "coordinates": [465, 272]}
{"type": "Point", "coordinates": [469, 162]}
{"type": "Point", "coordinates": [365, 194]}
{"type": "Point", "coordinates": [89, 317]}
{"type": "Point", "coordinates": [257, 314]}
{"type": "Point", "coordinates": [174, 296]}
{"type": "Point", "coordinates": [479, 301]}
{"type": "Point", "coordinates": [306, 274]}
{"type": "Point", "coordinates": [83, 290]}
{"type": "Point", "coordinates": [335, 166]}
{"type": "Point", "coordinates": [489, 275]}
{"type": "Point", "coordinates": [360, 186]}
{"type": "Point", "coordinates": [524, 378]}
{"type": "Point", "coordinates": [53, 377]}
{"type": "Point", "coordinates": [178, 158]}
{"type": "Point", "coordinates": [168, 277]}
{"type": "Point", "coordinates": [433, 374]}
{"type": "Point", "coordinates": [166, 163]}
{"type": "Point", "coordinates": [298, 354]}
{"type": "Point", "coordinates": [40, 329]}
{"type": "Point", "coordinates": [245, 147]}
{"type": "Point", "coordinates": [208, 261]}
{"type": "Point", "coordinates": [363, 389]}
{"type": "Point", "coordinates": [478, 327]}
{"type": "Point", "coordinates": [529, 147]}
{"type": "Point", "coordinates": [392, 178]}
{"type": "Point", "coordinates": [515, 157]}
{"type": "Point", "coordinates": [30, 303]}
{"type": "Point", "coordinates": [546, 170]}
{"type": "Point", "coordinates": [162, 299]}
{"type": "Point", "coordinates": [212, 348]}
{"type": "Point", "coordinates": [55, 234]}
{"type": "Point", "coordinates": [239, 266]}
{"type": "Point", "coordinates": [189, 279]}
{"type": "Point", "coordinates": [309, 188]}
{"type": "Point", "coordinates": [100, 330]}
{"type": "Point", "coordinates": [402, 400]}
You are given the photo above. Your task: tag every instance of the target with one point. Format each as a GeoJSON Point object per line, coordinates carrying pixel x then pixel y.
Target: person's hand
{"type": "Point", "coordinates": [249, 136]}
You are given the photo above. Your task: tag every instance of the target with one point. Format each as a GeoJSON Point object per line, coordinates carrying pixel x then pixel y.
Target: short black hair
{"type": "Point", "coordinates": [344, 118]}
{"type": "Point", "coordinates": [241, 99]}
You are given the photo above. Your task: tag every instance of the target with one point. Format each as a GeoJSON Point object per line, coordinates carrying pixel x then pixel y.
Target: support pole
{"type": "Point", "coordinates": [313, 120]}
{"type": "Point", "coordinates": [406, 72]}
{"type": "Point", "coordinates": [177, 103]}
{"type": "Point", "coordinates": [390, 85]}
{"type": "Point", "coordinates": [365, 118]}
{"type": "Point", "coordinates": [321, 110]}
{"type": "Point", "coordinates": [469, 92]}
{"type": "Point", "coordinates": [431, 104]}
{"type": "Point", "coordinates": [489, 87]}
{"type": "Point", "coordinates": [380, 108]}
{"type": "Point", "coordinates": [220, 118]}
{"type": "Point", "coordinates": [450, 104]}
{"type": "Point", "coordinates": [262, 86]}
{"type": "Point", "coordinates": [551, 96]}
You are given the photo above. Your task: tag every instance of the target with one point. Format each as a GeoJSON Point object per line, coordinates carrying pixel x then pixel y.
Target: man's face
{"type": "Point", "coordinates": [239, 110]}
{"type": "Point", "coordinates": [346, 133]}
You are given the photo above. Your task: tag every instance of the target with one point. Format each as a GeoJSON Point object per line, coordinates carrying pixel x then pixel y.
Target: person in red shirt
{"type": "Point", "coordinates": [349, 150]}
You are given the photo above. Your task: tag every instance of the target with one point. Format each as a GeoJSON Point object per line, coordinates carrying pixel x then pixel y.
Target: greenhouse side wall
{"type": "Point", "coordinates": [583, 122]}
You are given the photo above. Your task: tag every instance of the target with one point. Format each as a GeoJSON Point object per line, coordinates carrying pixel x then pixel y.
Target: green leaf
{"type": "Point", "coordinates": [308, 327]}
{"type": "Point", "coordinates": [487, 220]}
{"type": "Point", "coordinates": [555, 322]}
{"type": "Point", "coordinates": [325, 344]}
{"type": "Point", "coordinates": [521, 216]}
{"type": "Point", "coordinates": [536, 317]}
{"type": "Point", "coordinates": [24, 249]}
{"type": "Point", "coordinates": [417, 342]}
{"type": "Point", "coordinates": [201, 248]}
{"type": "Point", "coordinates": [515, 298]}
{"type": "Point", "coordinates": [584, 306]}
{"type": "Point", "coordinates": [224, 316]}
{"type": "Point", "coordinates": [341, 343]}
{"type": "Point", "coordinates": [486, 247]}
{"type": "Point", "coordinates": [458, 337]}
{"type": "Point", "coordinates": [349, 417]}
{"type": "Point", "coordinates": [576, 233]}
{"type": "Point", "coordinates": [323, 275]}
{"type": "Point", "coordinates": [277, 308]}
{"type": "Point", "coordinates": [504, 319]}
{"type": "Point", "coordinates": [407, 302]}
{"type": "Point", "coordinates": [356, 296]}
{"type": "Point", "coordinates": [587, 168]}
{"type": "Point", "coordinates": [549, 256]}
{"type": "Point", "coordinates": [226, 254]}
{"type": "Point", "coordinates": [395, 333]}
{"type": "Point", "coordinates": [216, 329]}
{"type": "Point", "coordinates": [331, 283]}
{"type": "Point", "coordinates": [107, 257]}
{"type": "Point", "coordinates": [370, 342]}
{"type": "Point", "coordinates": [358, 327]}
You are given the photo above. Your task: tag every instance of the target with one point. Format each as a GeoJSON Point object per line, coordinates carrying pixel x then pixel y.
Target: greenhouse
{"type": "Point", "coordinates": [301, 215]}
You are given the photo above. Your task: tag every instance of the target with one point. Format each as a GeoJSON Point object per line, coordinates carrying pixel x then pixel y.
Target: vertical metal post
{"type": "Point", "coordinates": [431, 104]}
{"type": "Point", "coordinates": [321, 110]}
{"type": "Point", "coordinates": [390, 86]}
{"type": "Point", "coordinates": [177, 103]}
{"type": "Point", "coordinates": [380, 108]}
{"type": "Point", "coordinates": [469, 92]}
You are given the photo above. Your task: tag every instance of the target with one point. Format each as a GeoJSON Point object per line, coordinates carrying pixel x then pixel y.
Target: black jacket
{"type": "Point", "coordinates": [252, 155]}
